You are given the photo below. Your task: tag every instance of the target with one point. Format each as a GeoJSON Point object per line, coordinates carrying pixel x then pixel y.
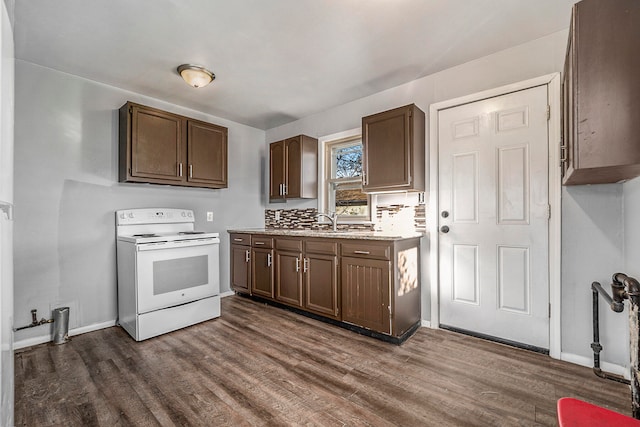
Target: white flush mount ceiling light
{"type": "Point", "coordinates": [196, 75]}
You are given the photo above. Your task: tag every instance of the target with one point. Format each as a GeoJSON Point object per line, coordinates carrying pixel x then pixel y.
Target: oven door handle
{"type": "Point", "coordinates": [176, 244]}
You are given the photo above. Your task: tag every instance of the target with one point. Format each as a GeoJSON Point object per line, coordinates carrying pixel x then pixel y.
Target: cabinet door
{"type": "Point", "coordinates": [207, 154]}
{"type": "Point", "coordinates": [387, 150]}
{"type": "Point", "coordinates": [293, 160]}
{"type": "Point", "coordinates": [365, 293]}
{"type": "Point", "coordinates": [289, 278]}
{"type": "Point", "coordinates": [262, 268]}
{"type": "Point", "coordinates": [240, 268]}
{"type": "Point", "coordinates": [321, 284]}
{"type": "Point", "coordinates": [276, 170]}
{"type": "Point", "coordinates": [156, 144]}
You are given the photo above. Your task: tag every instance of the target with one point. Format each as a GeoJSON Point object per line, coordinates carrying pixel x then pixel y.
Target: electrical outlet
{"type": "Point", "coordinates": [209, 216]}
{"type": "Point", "coordinates": [277, 215]}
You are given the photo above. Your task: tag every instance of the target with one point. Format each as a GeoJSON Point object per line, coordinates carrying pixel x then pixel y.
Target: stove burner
{"type": "Point", "coordinates": [145, 235]}
{"type": "Point", "coordinates": [191, 232]}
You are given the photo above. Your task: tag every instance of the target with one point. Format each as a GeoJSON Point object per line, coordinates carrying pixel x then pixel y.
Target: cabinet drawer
{"type": "Point", "coordinates": [293, 245]}
{"type": "Point", "coordinates": [321, 247]}
{"type": "Point", "coordinates": [360, 249]}
{"type": "Point", "coordinates": [262, 242]}
{"type": "Point", "coordinates": [241, 239]}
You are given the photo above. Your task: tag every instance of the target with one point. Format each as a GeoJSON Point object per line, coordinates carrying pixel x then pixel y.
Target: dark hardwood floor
{"type": "Point", "coordinates": [259, 365]}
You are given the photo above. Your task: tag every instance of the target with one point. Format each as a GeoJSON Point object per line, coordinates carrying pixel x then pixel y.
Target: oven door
{"type": "Point", "coordinates": [174, 273]}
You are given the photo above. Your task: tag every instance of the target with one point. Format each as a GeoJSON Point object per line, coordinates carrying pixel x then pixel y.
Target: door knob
{"type": "Point", "coordinates": [444, 229]}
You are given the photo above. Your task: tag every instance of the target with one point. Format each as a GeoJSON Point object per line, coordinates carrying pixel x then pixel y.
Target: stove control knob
{"type": "Point", "coordinates": [122, 215]}
{"type": "Point", "coordinates": [130, 215]}
{"type": "Point", "coordinates": [189, 214]}
{"type": "Point", "coordinates": [184, 214]}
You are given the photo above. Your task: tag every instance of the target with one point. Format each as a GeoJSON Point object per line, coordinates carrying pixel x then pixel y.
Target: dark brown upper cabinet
{"type": "Point", "coordinates": [293, 169]}
{"type": "Point", "coordinates": [601, 93]}
{"type": "Point", "coordinates": [163, 148]}
{"type": "Point", "coordinates": [394, 150]}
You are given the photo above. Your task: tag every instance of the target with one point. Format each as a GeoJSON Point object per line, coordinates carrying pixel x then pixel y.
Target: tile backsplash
{"type": "Point", "coordinates": [389, 217]}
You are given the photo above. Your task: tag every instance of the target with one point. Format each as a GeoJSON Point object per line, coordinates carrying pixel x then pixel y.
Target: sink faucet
{"type": "Point", "coordinates": [333, 217]}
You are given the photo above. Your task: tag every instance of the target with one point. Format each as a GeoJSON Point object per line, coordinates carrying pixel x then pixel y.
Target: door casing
{"type": "Point", "coordinates": [552, 81]}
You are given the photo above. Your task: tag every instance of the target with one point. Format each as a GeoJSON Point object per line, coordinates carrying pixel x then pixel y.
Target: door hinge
{"type": "Point", "coordinates": [548, 112]}
{"type": "Point", "coordinates": [130, 110]}
{"type": "Point", "coordinates": [548, 211]}
{"type": "Point", "coordinates": [549, 310]}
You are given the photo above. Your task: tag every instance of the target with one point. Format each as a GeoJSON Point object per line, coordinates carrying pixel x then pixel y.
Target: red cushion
{"type": "Point", "coordinates": [576, 413]}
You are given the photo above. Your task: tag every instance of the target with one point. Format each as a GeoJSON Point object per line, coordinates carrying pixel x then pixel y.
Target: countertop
{"type": "Point", "coordinates": [329, 234]}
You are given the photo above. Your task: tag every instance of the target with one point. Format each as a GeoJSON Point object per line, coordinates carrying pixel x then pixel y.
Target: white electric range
{"type": "Point", "coordinates": [168, 273]}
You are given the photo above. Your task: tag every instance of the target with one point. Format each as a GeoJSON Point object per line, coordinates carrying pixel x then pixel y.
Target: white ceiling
{"type": "Point", "coordinates": [275, 60]}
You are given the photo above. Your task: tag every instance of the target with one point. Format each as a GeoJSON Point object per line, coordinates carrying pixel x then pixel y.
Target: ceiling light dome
{"type": "Point", "coordinates": [195, 75]}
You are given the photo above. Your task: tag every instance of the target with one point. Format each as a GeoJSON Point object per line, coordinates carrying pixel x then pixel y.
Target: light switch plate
{"type": "Point", "coordinates": [209, 216]}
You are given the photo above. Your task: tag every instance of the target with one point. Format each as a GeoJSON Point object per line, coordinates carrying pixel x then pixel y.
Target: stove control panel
{"type": "Point", "coordinates": [153, 216]}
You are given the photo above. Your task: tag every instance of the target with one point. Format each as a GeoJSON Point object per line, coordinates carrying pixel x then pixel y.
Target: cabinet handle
{"type": "Point", "coordinates": [364, 179]}
{"type": "Point", "coordinates": [297, 265]}
{"type": "Point", "coordinates": [190, 171]}
{"type": "Point", "coordinates": [362, 252]}
{"type": "Point", "coordinates": [237, 239]}
{"type": "Point", "coordinates": [305, 265]}
{"type": "Point", "coordinates": [284, 189]}
{"type": "Point", "coordinates": [246, 256]}
{"type": "Point", "coordinates": [180, 169]}
{"type": "Point", "coordinates": [281, 192]}
{"type": "Point", "coordinates": [269, 260]}
{"type": "Point", "coordinates": [258, 243]}
{"type": "Point", "coordinates": [563, 154]}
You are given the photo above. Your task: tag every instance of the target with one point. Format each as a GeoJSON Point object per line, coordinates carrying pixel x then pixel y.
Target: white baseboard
{"type": "Point", "coordinates": [17, 345]}
{"type": "Point", "coordinates": [227, 294]}
{"type": "Point", "coordinates": [588, 362]}
{"type": "Point", "coordinates": [425, 323]}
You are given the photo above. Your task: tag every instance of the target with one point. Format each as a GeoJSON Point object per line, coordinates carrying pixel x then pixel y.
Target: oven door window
{"type": "Point", "coordinates": [174, 276]}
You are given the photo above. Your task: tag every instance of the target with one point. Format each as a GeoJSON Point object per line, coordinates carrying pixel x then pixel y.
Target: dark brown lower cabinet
{"type": "Point", "coordinates": [289, 278]}
{"type": "Point", "coordinates": [365, 293]}
{"type": "Point", "coordinates": [262, 269]}
{"type": "Point", "coordinates": [240, 268]}
{"type": "Point", "coordinates": [320, 268]}
{"type": "Point", "coordinates": [372, 284]}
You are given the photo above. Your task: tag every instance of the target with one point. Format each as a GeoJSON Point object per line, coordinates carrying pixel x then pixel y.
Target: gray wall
{"type": "Point", "coordinates": [66, 192]}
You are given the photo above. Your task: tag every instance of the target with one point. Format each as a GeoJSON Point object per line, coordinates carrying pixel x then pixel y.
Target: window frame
{"type": "Point", "coordinates": [325, 179]}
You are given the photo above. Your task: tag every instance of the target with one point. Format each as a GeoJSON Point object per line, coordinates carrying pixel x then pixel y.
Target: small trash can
{"type": "Point", "coordinates": [61, 325]}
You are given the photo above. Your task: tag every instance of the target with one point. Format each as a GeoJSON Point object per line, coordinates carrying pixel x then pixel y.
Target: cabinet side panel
{"type": "Point", "coordinates": [418, 162]}
{"type": "Point", "coordinates": [608, 96]}
{"type": "Point", "coordinates": [293, 156]}
{"type": "Point", "coordinates": [124, 142]}
{"type": "Point", "coordinates": [406, 292]}
{"type": "Point", "coordinates": [309, 178]}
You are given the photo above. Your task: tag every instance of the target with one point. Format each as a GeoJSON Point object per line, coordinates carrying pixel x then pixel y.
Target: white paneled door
{"type": "Point", "coordinates": [493, 218]}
